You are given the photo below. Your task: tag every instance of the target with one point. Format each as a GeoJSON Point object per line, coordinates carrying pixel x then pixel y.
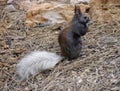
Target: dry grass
{"type": "Point", "coordinates": [98, 69]}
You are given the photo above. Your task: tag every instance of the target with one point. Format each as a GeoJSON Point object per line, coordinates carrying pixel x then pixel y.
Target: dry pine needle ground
{"type": "Point", "coordinates": [97, 70]}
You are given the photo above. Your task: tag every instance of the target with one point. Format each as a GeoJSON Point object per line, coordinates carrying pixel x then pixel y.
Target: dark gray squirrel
{"type": "Point", "coordinates": [70, 42]}
{"type": "Point", "coordinates": [70, 38]}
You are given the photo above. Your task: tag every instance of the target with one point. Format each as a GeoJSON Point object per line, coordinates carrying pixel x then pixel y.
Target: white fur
{"type": "Point", "coordinates": [35, 62]}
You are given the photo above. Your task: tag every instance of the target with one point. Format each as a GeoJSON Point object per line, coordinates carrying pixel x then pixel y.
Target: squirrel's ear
{"type": "Point", "coordinates": [77, 10]}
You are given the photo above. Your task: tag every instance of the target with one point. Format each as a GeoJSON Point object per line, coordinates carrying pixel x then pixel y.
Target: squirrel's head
{"type": "Point", "coordinates": [83, 19]}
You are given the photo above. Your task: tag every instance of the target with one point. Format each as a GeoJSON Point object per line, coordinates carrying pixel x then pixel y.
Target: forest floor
{"type": "Point", "coordinates": [98, 69]}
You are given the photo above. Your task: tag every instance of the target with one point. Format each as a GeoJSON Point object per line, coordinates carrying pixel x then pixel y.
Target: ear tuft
{"type": "Point", "coordinates": [77, 10]}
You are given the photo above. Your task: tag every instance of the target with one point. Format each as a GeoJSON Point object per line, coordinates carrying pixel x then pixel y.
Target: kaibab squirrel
{"type": "Point", "coordinates": [69, 38]}
{"type": "Point", "coordinates": [69, 41]}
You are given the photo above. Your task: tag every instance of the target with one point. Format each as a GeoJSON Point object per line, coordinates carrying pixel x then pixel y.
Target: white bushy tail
{"type": "Point", "coordinates": [35, 62]}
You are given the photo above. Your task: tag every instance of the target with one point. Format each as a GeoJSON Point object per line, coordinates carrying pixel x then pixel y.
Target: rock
{"type": "Point", "coordinates": [38, 1]}
{"type": "Point", "coordinates": [9, 1]}
{"type": "Point", "coordinates": [10, 8]}
{"type": "Point", "coordinates": [79, 1]}
{"type": "Point", "coordinates": [104, 10]}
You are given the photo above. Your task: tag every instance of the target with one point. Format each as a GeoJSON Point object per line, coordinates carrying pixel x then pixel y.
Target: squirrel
{"type": "Point", "coordinates": [70, 43]}
{"type": "Point", "coordinates": [70, 38]}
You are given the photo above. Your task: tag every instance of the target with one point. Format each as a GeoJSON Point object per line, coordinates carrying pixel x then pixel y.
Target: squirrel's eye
{"type": "Point", "coordinates": [85, 17]}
